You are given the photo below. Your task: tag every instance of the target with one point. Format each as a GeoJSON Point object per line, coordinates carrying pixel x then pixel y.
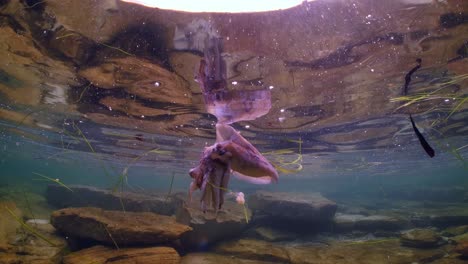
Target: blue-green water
{"type": "Point", "coordinates": [110, 104]}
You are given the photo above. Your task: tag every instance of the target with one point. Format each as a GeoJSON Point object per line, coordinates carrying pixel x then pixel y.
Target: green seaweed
{"type": "Point", "coordinates": [435, 95]}
{"type": "Point", "coordinates": [111, 237]}
{"type": "Point", "coordinates": [123, 178]}
{"type": "Point", "coordinates": [53, 180]}
{"type": "Point", "coordinates": [28, 206]}
{"type": "Point", "coordinates": [82, 93]}
{"type": "Point", "coordinates": [29, 228]}
{"type": "Point", "coordinates": [170, 187]}
{"type": "Point", "coordinates": [280, 162]}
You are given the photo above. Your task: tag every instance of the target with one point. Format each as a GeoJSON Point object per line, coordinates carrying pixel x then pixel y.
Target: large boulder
{"type": "Point", "coordinates": [101, 254]}
{"type": "Point", "coordinates": [84, 196]}
{"type": "Point", "coordinates": [209, 227]}
{"type": "Point", "coordinates": [310, 207]}
{"type": "Point", "coordinates": [118, 227]}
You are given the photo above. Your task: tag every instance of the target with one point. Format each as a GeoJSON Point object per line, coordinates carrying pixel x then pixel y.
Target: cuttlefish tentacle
{"type": "Point", "coordinates": [205, 188]}
{"type": "Point", "coordinates": [224, 185]}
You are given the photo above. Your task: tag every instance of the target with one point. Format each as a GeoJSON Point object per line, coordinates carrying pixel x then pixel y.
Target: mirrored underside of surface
{"type": "Point", "coordinates": [117, 80]}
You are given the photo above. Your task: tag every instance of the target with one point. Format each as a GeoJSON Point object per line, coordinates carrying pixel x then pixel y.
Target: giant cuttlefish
{"type": "Point", "coordinates": [231, 152]}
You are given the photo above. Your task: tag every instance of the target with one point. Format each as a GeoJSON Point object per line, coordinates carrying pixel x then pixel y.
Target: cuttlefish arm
{"type": "Point", "coordinates": [246, 161]}
{"type": "Point", "coordinates": [211, 176]}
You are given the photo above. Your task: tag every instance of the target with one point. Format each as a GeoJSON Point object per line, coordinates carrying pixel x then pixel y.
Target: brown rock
{"type": "Point", "coordinates": [363, 252]}
{"type": "Point", "coordinates": [101, 254]}
{"type": "Point", "coordinates": [462, 248]}
{"type": "Point", "coordinates": [271, 234]}
{"type": "Point", "coordinates": [8, 224]}
{"type": "Point", "coordinates": [27, 247]}
{"type": "Point", "coordinates": [131, 107]}
{"type": "Point", "coordinates": [421, 238]}
{"type": "Point", "coordinates": [212, 258]}
{"type": "Point", "coordinates": [460, 238]}
{"type": "Point", "coordinates": [455, 230]}
{"type": "Point", "coordinates": [140, 77]}
{"type": "Point", "coordinates": [210, 227]}
{"type": "Point", "coordinates": [311, 207]}
{"type": "Point", "coordinates": [254, 249]}
{"type": "Point", "coordinates": [84, 196]}
{"type": "Point", "coordinates": [122, 228]}
{"type": "Point", "coordinates": [72, 45]}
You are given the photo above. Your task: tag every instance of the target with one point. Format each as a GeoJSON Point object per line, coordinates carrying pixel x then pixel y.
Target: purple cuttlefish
{"type": "Point", "coordinates": [231, 153]}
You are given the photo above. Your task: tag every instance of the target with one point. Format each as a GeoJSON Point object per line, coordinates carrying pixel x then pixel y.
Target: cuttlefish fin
{"type": "Point", "coordinates": [255, 180]}
{"type": "Point", "coordinates": [246, 159]}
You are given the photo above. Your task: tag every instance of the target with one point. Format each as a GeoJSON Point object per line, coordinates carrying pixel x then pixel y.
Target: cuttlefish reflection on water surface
{"type": "Point", "coordinates": [231, 153]}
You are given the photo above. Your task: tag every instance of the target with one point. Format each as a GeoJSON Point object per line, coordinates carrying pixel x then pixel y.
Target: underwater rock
{"type": "Point", "coordinates": [332, 252]}
{"type": "Point", "coordinates": [122, 228]}
{"type": "Point", "coordinates": [455, 231]}
{"type": "Point", "coordinates": [212, 258]}
{"type": "Point", "coordinates": [310, 207]}
{"type": "Point", "coordinates": [272, 235]}
{"type": "Point", "coordinates": [462, 248]}
{"type": "Point", "coordinates": [459, 238]}
{"type": "Point", "coordinates": [254, 249]}
{"type": "Point", "coordinates": [83, 196]}
{"type": "Point", "coordinates": [72, 45]}
{"type": "Point", "coordinates": [209, 227]}
{"type": "Point", "coordinates": [421, 238]}
{"type": "Point", "coordinates": [450, 218]}
{"type": "Point", "coordinates": [361, 252]}
{"type": "Point", "coordinates": [101, 254]}
{"type": "Point", "coordinates": [32, 249]}
{"type": "Point", "coordinates": [139, 77]}
{"type": "Point", "coordinates": [8, 224]}
{"type": "Point", "coordinates": [21, 245]}
{"type": "Point", "coordinates": [350, 222]}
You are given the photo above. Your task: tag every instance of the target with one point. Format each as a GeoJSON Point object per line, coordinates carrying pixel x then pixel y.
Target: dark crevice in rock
{"type": "Point", "coordinates": [9, 80]}
{"type": "Point", "coordinates": [146, 40]}
{"type": "Point", "coordinates": [4, 2]}
{"type": "Point", "coordinates": [453, 19]}
{"type": "Point", "coordinates": [36, 5]}
{"type": "Point", "coordinates": [462, 53]}
{"type": "Point", "coordinates": [339, 58]}
{"type": "Point", "coordinates": [8, 21]}
{"type": "Point", "coordinates": [463, 50]}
